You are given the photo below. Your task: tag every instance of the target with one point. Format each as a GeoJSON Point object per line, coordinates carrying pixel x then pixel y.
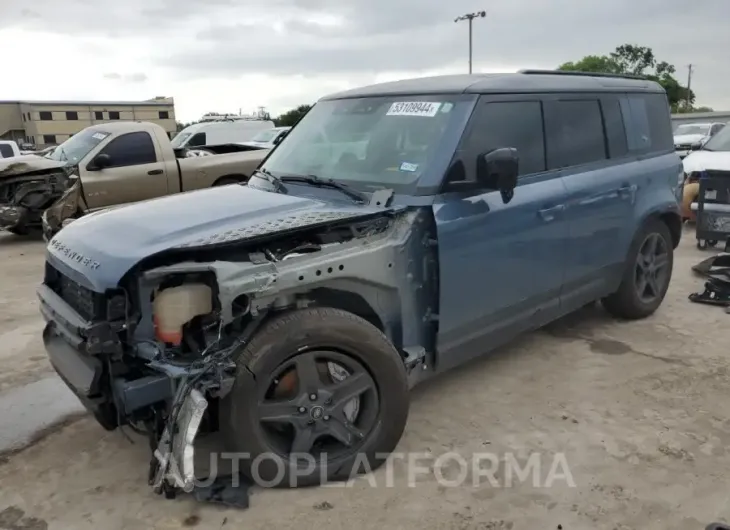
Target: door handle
{"type": "Point", "coordinates": [548, 214]}
{"type": "Point", "coordinates": [155, 172]}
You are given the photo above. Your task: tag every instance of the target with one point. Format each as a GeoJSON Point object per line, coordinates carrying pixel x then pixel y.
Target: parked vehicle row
{"type": "Point", "coordinates": [108, 165]}
{"type": "Point", "coordinates": [713, 155]}
{"type": "Point", "coordinates": [690, 137]}
{"type": "Point", "coordinates": [396, 232]}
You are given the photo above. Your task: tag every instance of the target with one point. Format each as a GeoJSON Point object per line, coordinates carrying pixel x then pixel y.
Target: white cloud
{"type": "Point", "coordinates": [223, 55]}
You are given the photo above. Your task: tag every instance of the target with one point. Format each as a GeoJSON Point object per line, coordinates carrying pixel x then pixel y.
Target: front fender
{"type": "Point", "coordinates": [66, 207]}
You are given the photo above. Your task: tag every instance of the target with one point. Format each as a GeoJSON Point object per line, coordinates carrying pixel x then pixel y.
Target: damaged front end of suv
{"type": "Point", "coordinates": [28, 185]}
{"type": "Point", "coordinates": [160, 350]}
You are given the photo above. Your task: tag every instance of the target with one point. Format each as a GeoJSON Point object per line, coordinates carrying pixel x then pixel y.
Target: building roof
{"type": "Point", "coordinates": [148, 102]}
{"type": "Point", "coordinates": [525, 81]}
{"type": "Point", "coordinates": [709, 116]}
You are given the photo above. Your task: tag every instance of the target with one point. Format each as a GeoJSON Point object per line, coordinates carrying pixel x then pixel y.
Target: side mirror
{"type": "Point", "coordinates": [497, 170]}
{"type": "Point", "coordinates": [100, 161]}
{"type": "Point", "coordinates": [279, 138]}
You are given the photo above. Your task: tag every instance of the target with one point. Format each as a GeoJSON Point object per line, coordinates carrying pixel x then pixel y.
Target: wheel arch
{"type": "Point", "coordinates": [670, 216]}
{"type": "Point", "coordinates": [238, 177]}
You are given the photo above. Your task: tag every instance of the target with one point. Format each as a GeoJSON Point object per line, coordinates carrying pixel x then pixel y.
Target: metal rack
{"type": "Point", "coordinates": [713, 208]}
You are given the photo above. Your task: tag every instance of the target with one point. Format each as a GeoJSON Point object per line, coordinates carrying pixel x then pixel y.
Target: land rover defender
{"type": "Point", "coordinates": [397, 231]}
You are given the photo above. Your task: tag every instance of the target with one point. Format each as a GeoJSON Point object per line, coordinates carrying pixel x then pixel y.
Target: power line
{"type": "Point", "coordinates": [470, 17]}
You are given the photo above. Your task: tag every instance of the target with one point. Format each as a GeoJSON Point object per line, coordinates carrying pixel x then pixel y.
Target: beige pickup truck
{"type": "Point", "coordinates": [108, 165]}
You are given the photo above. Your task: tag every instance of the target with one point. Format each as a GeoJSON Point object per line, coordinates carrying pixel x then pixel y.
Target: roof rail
{"type": "Point", "coordinates": [583, 74]}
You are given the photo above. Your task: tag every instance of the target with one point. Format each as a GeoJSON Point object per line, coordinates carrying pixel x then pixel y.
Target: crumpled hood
{"type": "Point", "coordinates": [704, 160]}
{"type": "Point", "coordinates": [98, 249]}
{"type": "Point", "coordinates": [688, 139]}
{"type": "Point", "coordinates": [19, 165]}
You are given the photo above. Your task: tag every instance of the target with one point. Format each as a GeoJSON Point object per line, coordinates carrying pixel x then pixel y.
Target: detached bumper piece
{"type": "Point", "coordinates": [173, 463]}
{"type": "Point", "coordinates": [175, 453]}
{"type": "Point", "coordinates": [717, 287]}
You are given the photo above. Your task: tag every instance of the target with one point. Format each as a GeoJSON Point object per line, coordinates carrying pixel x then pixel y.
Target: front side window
{"type": "Point", "coordinates": [372, 142]}
{"type": "Point", "coordinates": [179, 139]}
{"type": "Point", "coordinates": [516, 124]}
{"type": "Point", "coordinates": [131, 149]}
{"type": "Point", "coordinates": [198, 139]}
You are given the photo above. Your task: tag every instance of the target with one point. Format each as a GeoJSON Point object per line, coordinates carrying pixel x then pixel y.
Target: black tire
{"type": "Point", "coordinates": [19, 230]}
{"type": "Point", "coordinates": [626, 302]}
{"type": "Point", "coordinates": [284, 338]}
{"type": "Point", "coordinates": [225, 181]}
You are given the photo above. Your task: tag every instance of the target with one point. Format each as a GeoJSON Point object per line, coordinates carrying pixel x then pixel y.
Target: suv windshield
{"type": "Point", "coordinates": [719, 142]}
{"type": "Point", "coordinates": [371, 143]}
{"type": "Point", "coordinates": [691, 129]}
{"type": "Point", "coordinates": [78, 146]}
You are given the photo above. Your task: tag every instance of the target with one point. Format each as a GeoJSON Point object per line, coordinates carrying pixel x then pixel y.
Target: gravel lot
{"type": "Point", "coordinates": [639, 410]}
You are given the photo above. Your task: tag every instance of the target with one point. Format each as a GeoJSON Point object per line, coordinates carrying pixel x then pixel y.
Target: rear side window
{"type": "Point", "coordinates": [197, 139]}
{"type": "Point", "coordinates": [131, 149]}
{"type": "Point", "coordinates": [515, 124]}
{"type": "Point", "coordinates": [613, 122]}
{"type": "Point", "coordinates": [648, 123]}
{"type": "Point", "coordinates": [6, 151]}
{"type": "Point", "coordinates": [575, 133]}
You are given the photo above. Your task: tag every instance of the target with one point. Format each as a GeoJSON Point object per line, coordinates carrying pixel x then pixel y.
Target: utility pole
{"type": "Point", "coordinates": [470, 17]}
{"type": "Point", "coordinates": [689, 84]}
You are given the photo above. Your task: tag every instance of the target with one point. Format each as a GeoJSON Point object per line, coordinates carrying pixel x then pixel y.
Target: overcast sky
{"type": "Point", "coordinates": [222, 55]}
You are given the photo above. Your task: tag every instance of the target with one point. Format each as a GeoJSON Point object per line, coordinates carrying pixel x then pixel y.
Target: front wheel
{"type": "Point", "coordinates": [19, 230]}
{"type": "Point", "coordinates": [320, 395]}
{"type": "Point", "coordinates": [648, 271]}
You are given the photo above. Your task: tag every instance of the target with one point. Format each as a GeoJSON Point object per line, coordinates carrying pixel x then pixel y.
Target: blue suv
{"type": "Point", "coordinates": [397, 231]}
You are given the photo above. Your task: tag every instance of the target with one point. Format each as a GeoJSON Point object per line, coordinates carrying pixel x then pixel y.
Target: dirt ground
{"type": "Point", "coordinates": [640, 411]}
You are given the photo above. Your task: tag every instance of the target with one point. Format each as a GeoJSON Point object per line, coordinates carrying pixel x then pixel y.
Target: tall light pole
{"type": "Point", "coordinates": [689, 84]}
{"type": "Point", "coordinates": [470, 17]}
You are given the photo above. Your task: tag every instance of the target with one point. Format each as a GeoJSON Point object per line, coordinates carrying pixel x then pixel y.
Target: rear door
{"type": "Point", "coordinates": [586, 140]}
{"type": "Point", "coordinates": [137, 172]}
{"type": "Point", "coordinates": [501, 264]}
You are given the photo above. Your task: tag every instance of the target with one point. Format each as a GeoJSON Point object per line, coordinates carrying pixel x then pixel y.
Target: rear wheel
{"type": "Point", "coordinates": [320, 395]}
{"type": "Point", "coordinates": [647, 275]}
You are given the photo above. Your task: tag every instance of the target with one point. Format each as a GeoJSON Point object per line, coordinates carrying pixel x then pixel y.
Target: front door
{"type": "Point", "coordinates": [136, 172]}
{"type": "Point", "coordinates": [501, 264]}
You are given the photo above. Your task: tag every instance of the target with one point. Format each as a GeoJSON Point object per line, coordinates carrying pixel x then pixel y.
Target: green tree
{"type": "Point", "coordinates": [640, 61]}
{"type": "Point", "coordinates": [288, 119]}
{"type": "Point", "coordinates": [685, 110]}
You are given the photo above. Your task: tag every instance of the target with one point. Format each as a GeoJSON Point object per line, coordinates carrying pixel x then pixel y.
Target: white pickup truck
{"type": "Point", "coordinates": [8, 149]}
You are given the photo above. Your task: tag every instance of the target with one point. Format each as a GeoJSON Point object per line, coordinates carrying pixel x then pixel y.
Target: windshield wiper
{"type": "Point", "coordinates": [314, 180]}
{"type": "Point", "coordinates": [272, 179]}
